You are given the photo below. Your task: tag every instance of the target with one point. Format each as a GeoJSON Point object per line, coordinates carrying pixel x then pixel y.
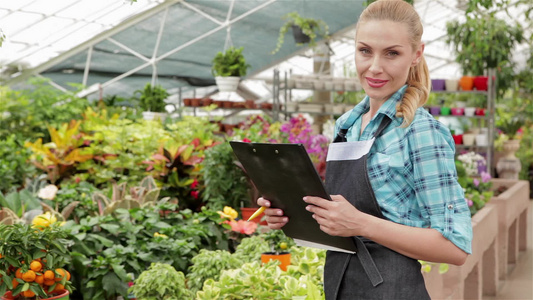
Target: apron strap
{"type": "Point", "coordinates": [368, 263]}
{"type": "Point", "coordinates": [341, 135]}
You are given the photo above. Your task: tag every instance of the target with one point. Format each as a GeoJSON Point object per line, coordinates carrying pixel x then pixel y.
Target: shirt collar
{"type": "Point", "coordinates": [388, 108]}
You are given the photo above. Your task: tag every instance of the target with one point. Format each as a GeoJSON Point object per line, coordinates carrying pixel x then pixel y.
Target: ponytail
{"type": "Point", "coordinates": [416, 94]}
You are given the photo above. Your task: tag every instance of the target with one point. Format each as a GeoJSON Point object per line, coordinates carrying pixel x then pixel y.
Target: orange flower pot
{"type": "Point", "coordinates": [466, 83]}
{"type": "Point", "coordinates": [284, 258]}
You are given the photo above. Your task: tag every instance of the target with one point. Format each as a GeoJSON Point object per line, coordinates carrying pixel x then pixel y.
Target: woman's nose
{"type": "Point", "coordinates": [376, 67]}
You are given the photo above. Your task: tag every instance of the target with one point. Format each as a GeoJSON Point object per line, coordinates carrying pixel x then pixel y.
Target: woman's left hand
{"type": "Point", "coordinates": [338, 217]}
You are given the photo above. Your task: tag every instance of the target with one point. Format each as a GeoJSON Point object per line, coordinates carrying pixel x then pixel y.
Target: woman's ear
{"type": "Point", "coordinates": [418, 54]}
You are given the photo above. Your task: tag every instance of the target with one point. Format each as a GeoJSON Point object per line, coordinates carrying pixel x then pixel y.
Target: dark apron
{"type": "Point", "coordinates": [374, 272]}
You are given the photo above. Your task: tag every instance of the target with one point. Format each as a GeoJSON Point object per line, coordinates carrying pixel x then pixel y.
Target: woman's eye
{"type": "Point", "coordinates": [364, 51]}
{"type": "Point", "coordinates": [393, 53]}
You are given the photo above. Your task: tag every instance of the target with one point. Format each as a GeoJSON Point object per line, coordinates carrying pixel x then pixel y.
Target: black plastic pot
{"type": "Point", "coordinates": [299, 36]}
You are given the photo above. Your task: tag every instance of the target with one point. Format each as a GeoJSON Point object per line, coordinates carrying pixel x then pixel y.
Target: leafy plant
{"type": "Point", "coordinates": [484, 41]}
{"type": "Point", "coordinates": [278, 241]}
{"type": "Point", "coordinates": [160, 281]}
{"type": "Point", "coordinates": [230, 63]}
{"type": "Point", "coordinates": [208, 265]}
{"type": "Point", "coordinates": [152, 98]}
{"type": "Point", "coordinates": [60, 157]}
{"type": "Point", "coordinates": [311, 27]}
{"type": "Point", "coordinates": [509, 122]}
{"type": "Point", "coordinates": [32, 260]}
{"type": "Point", "coordinates": [14, 166]}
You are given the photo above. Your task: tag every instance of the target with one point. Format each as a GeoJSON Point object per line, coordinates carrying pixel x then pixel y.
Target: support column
{"type": "Point", "coordinates": [321, 65]}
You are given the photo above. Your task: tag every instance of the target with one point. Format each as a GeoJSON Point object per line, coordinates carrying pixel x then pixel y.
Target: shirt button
{"type": "Point", "coordinates": [450, 206]}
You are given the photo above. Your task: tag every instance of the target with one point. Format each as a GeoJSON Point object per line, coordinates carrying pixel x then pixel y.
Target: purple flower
{"type": "Point", "coordinates": [470, 202]}
{"type": "Point", "coordinates": [476, 182]}
{"type": "Point", "coordinates": [485, 177]}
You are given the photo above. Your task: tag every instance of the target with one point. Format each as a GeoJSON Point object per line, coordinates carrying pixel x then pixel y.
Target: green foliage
{"type": "Point", "coordinates": [311, 27]}
{"type": "Point", "coordinates": [208, 264]}
{"type": "Point", "coordinates": [250, 248]}
{"type": "Point", "coordinates": [109, 247]}
{"type": "Point", "coordinates": [484, 41]}
{"type": "Point", "coordinates": [14, 166]}
{"type": "Point", "coordinates": [509, 122]}
{"type": "Point", "coordinates": [20, 244]}
{"type": "Point", "coordinates": [230, 63]}
{"type": "Point", "coordinates": [159, 282]}
{"type": "Point", "coordinates": [81, 192]}
{"type": "Point", "coordinates": [152, 98]}
{"type": "Point", "coordinates": [15, 204]}
{"type": "Point", "coordinates": [278, 241]}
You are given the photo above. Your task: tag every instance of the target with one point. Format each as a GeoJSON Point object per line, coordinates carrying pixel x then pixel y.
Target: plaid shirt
{"type": "Point", "coordinates": [412, 171]}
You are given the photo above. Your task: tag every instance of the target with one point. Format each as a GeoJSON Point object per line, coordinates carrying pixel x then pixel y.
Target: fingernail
{"type": "Point", "coordinates": [279, 213]}
{"type": "Point", "coordinates": [285, 219]}
{"type": "Point", "coordinates": [305, 198]}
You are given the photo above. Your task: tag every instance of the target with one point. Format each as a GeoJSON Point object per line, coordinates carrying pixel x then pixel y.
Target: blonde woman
{"type": "Point", "coordinates": [390, 171]}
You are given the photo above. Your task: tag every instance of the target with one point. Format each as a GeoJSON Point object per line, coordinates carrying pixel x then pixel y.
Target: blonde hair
{"type": "Point", "coordinates": [418, 80]}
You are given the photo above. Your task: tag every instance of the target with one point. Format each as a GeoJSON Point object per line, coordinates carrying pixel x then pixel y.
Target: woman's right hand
{"type": "Point", "coordinates": [274, 216]}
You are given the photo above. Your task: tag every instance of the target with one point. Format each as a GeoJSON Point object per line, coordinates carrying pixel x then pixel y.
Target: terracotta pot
{"type": "Point", "coordinates": [227, 104]}
{"type": "Point", "coordinates": [246, 212]}
{"type": "Point", "coordinates": [250, 104]}
{"type": "Point", "coordinates": [64, 295]}
{"type": "Point", "coordinates": [284, 258]}
{"type": "Point", "coordinates": [481, 83]}
{"type": "Point", "coordinates": [219, 103]}
{"type": "Point", "coordinates": [187, 101]}
{"type": "Point", "coordinates": [195, 102]}
{"type": "Point", "coordinates": [466, 83]}
{"type": "Point", "coordinates": [207, 102]}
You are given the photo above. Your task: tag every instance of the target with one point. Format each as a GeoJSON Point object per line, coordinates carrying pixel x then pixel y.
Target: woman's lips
{"type": "Point", "coordinates": [376, 83]}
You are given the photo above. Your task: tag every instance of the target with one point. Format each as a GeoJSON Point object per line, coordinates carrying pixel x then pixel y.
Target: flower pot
{"type": "Point", "coordinates": [468, 139]}
{"type": "Point", "coordinates": [466, 83]}
{"type": "Point", "coordinates": [187, 101]}
{"type": "Point", "coordinates": [284, 258]}
{"type": "Point", "coordinates": [438, 85]}
{"type": "Point", "coordinates": [458, 111]}
{"type": "Point", "coordinates": [247, 212]}
{"type": "Point", "coordinates": [481, 83]}
{"type": "Point", "coordinates": [451, 85]}
{"type": "Point", "coordinates": [150, 115]}
{"type": "Point", "coordinates": [480, 111]}
{"type": "Point", "coordinates": [510, 147]}
{"type": "Point", "coordinates": [470, 111]}
{"type": "Point", "coordinates": [299, 36]}
{"type": "Point", "coordinates": [250, 104]}
{"type": "Point", "coordinates": [434, 110]}
{"type": "Point", "coordinates": [445, 111]}
{"type": "Point", "coordinates": [196, 102]}
{"type": "Point", "coordinates": [227, 104]}
{"type": "Point", "coordinates": [64, 295]}
{"type": "Point", "coordinates": [207, 102]}
{"type": "Point", "coordinates": [227, 84]}
{"type": "Point", "coordinates": [458, 139]}
{"type": "Point", "coordinates": [482, 140]}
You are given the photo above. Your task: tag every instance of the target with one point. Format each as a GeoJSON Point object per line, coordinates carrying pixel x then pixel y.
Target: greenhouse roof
{"type": "Point", "coordinates": [117, 46]}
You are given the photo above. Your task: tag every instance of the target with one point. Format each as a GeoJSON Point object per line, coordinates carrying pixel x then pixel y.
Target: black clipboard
{"type": "Point", "coordinates": [284, 174]}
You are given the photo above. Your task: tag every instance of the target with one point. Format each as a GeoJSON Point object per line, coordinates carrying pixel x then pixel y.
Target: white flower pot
{"type": "Point", "coordinates": [150, 115]}
{"type": "Point", "coordinates": [227, 84]}
{"type": "Point", "coordinates": [468, 139]}
{"type": "Point", "coordinates": [482, 140]}
{"type": "Point", "coordinates": [469, 111]}
{"type": "Point", "coordinates": [451, 85]}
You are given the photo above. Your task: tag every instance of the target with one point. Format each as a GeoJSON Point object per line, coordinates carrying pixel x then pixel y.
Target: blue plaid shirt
{"type": "Point", "coordinates": [412, 171]}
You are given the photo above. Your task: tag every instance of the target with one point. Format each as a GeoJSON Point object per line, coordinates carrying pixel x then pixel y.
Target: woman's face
{"type": "Point", "coordinates": [383, 57]}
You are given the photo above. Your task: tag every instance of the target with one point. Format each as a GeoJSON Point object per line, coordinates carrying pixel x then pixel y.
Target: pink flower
{"type": "Point", "coordinates": [470, 202]}
{"type": "Point", "coordinates": [195, 194]}
{"type": "Point", "coordinates": [194, 184]}
{"type": "Point", "coordinates": [246, 140]}
{"type": "Point", "coordinates": [242, 226]}
{"type": "Point", "coordinates": [485, 177]}
{"type": "Point", "coordinates": [476, 182]}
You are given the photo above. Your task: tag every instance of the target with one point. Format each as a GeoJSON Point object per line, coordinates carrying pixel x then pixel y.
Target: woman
{"type": "Point", "coordinates": [390, 171]}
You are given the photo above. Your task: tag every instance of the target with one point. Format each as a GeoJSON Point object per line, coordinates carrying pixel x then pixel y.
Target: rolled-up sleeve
{"type": "Point", "coordinates": [440, 197]}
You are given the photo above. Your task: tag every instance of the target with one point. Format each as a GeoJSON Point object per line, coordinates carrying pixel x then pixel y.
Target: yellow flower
{"type": "Point", "coordinates": [229, 213]}
{"type": "Point", "coordinates": [157, 234]}
{"type": "Point", "coordinates": [44, 220]}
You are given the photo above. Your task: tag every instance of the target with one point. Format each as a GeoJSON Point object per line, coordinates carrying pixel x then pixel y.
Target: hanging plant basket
{"type": "Point", "coordinates": [299, 36]}
{"type": "Point", "coordinates": [227, 84]}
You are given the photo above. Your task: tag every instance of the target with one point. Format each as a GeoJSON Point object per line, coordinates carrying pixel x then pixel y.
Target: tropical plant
{"type": "Point", "coordinates": [230, 63]}
{"type": "Point", "coordinates": [60, 157]}
{"type": "Point", "coordinates": [313, 28]}
{"type": "Point", "coordinates": [32, 260]}
{"type": "Point", "coordinates": [152, 98]}
{"type": "Point", "coordinates": [159, 282]}
{"type": "Point", "coordinates": [484, 41]}
{"type": "Point", "coordinates": [510, 122]}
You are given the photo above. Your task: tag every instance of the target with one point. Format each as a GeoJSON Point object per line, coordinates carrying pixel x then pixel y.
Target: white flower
{"type": "Point", "coordinates": [48, 192]}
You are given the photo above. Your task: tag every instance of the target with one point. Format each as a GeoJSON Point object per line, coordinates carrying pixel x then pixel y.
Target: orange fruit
{"type": "Point", "coordinates": [36, 266]}
{"type": "Point", "coordinates": [61, 273]}
{"type": "Point", "coordinates": [15, 283]}
{"type": "Point", "coordinates": [49, 282]}
{"type": "Point", "coordinates": [39, 279]}
{"type": "Point", "coordinates": [49, 275]}
{"type": "Point", "coordinates": [0, 255]}
{"type": "Point", "coordinates": [28, 276]}
{"type": "Point", "coordinates": [68, 275]}
{"type": "Point", "coordinates": [59, 287]}
{"type": "Point", "coordinates": [18, 273]}
{"type": "Point", "coordinates": [28, 293]}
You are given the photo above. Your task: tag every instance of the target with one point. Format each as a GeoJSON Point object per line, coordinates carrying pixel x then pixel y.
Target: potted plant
{"type": "Point", "coordinates": [228, 68]}
{"type": "Point", "coordinates": [160, 281]}
{"type": "Point", "coordinates": [305, 30]}
{"type": "Point", "coordinates": [152, 101]}
{"type": "Point", "coordinates": [279, 246]}
{"type": "Point", "coordinates": [32, 260]}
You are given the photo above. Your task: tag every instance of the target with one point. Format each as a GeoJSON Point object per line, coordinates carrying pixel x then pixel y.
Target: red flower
{"type": "Point", "coordinates": [242, 226]}
{"type": "Point", "coordinates": [246, 140]}
{"type": "Point", "coordinates": [195, 194]}
{"type": "Point", "coordinates": [194, 184]}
